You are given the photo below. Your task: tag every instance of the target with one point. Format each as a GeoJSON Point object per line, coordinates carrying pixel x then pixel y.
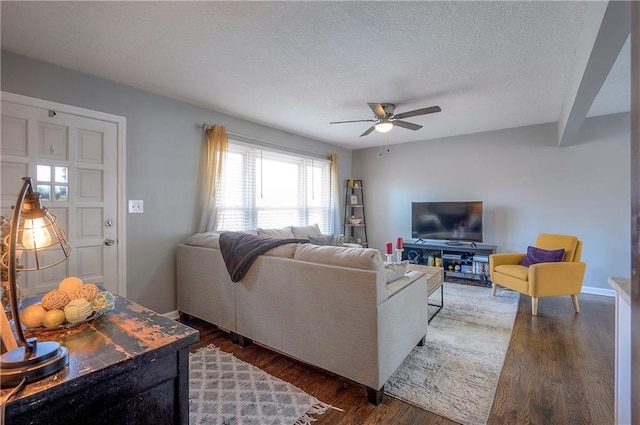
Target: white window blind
{"type": "Point", "coordinates": [263, 187]}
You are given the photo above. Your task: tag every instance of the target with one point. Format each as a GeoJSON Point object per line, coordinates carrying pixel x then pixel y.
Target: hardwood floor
{"type": "Point", "coordinates": [559, 369]}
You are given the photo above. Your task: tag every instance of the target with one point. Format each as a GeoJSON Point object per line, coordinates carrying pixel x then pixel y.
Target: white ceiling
{"type": "Point", "coordinates": [297, 66]}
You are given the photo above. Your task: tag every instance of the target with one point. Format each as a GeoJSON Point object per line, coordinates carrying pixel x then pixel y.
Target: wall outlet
{"type": "Point", "coordinates": [136, 206]}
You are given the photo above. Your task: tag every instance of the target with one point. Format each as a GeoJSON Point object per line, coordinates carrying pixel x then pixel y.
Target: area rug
{"type": "Point", "coordinates": [456, 373]}
{"type": "Point", "coordinates": [224, 390]}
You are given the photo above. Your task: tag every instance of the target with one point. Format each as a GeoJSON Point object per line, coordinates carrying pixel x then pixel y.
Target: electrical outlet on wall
{"type": "Point", "coordinates": [136, 206]}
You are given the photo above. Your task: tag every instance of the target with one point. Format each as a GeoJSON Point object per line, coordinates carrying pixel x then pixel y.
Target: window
{"type": "Point", "coordinates": [263, 187]}
{"type": "Point", "coordinates": [60, 178]}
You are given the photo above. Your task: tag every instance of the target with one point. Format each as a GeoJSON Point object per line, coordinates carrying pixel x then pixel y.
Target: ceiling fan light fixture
{"type": "Point", "coordinates": [384, 126]}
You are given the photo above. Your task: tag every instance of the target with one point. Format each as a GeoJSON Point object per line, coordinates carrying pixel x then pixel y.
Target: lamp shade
{"type": "Point", "coordinates": [384, 126]}
{"type": "Point", "coordinates": [36, 233]}
{"type": "Point", "coordinates": [39, 237]}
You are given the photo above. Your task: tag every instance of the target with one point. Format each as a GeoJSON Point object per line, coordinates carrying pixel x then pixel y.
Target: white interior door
{"type": "Point", "coordinates": [73, 162]}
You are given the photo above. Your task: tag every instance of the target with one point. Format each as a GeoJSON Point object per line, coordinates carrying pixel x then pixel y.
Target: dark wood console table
{"type": "Point", "coordinates": [472, 259]}
{"type": "Point", "coordinates": [130, 366]}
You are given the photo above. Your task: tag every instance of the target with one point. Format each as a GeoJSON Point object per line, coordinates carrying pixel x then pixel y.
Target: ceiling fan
{"type": "Point", "coordinates": [385, 120]}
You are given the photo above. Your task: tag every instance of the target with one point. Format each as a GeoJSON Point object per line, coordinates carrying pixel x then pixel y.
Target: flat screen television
{"type": "Point", "coordinates": [449, 221]}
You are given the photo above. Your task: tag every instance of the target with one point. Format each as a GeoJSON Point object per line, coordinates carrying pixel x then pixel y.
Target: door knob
{"type": "Point", "coordinates": [109, 242]}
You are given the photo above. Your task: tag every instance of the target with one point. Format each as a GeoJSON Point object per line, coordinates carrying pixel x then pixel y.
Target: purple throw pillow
{"type": "Point", "coordinates": [539, 255]}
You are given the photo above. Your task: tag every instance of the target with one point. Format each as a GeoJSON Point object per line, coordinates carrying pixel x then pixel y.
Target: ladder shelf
{"type": "Point", "coordinates": [355, 221]}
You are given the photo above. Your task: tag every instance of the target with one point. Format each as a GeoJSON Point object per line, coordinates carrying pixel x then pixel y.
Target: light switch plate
{"type": "Point", "coordinates": [136, 206]}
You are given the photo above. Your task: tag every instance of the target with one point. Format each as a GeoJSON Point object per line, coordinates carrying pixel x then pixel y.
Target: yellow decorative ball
{"type": "Point", "coordinates": [88, 292]}
{"type": "Point", "coordinates": [54, 299]}
{"type": "Point", "coordinates": [70, 285]}
{"type": "Point", "coordinates": [53, 318]}
{"type": "Point", "coordinates": [77, 310]}
{"type": "Point", "coordinates": [32, 315]}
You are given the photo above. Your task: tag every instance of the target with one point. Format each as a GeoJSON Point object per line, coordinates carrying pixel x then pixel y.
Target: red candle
{"type": "Point", "coordinates": [399, 243]}
{"type": "Point", "coordinates": [389, 248]}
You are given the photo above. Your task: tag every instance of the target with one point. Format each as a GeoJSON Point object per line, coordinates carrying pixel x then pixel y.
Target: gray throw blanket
{"type": "Point", "coordinates": [239, 250]}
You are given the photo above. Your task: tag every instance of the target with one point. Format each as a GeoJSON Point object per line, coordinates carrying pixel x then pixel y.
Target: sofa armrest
{"type": "Point", "coordinates": [551, 279]}
{"type": "Point", "coordinates": [402, 321]}
{"type": "Point", "coordinates": [402, 282]}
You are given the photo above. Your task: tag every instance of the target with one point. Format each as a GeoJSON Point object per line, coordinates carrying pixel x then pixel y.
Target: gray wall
{"type": "Point", "coordinates": [164, 142]}
{"type": "Point", "coordinates": [528, 186]}
{"type": "Point", "coordinates": [527, 183]}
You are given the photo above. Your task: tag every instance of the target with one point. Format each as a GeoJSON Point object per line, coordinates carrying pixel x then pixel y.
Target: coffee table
{"type": "Point", "coordinates": [435, 279]}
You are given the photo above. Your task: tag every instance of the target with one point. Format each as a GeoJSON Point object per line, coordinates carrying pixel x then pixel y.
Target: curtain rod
{"type": "Point", "coordinates": [268, 144]}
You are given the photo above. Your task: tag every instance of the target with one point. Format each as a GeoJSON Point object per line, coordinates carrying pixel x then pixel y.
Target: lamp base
{"type": "Point", "coordinates": [48, 358]}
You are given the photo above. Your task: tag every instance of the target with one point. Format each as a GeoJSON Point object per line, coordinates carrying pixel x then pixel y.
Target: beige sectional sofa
{"type": "Point", "coordinates": [338, 308]}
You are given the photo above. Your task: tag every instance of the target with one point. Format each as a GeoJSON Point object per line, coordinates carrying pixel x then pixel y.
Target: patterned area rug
{"type": "Point", "coordinates": [224, 390]}
{"type": "Point", "coordinates": [456, 373]}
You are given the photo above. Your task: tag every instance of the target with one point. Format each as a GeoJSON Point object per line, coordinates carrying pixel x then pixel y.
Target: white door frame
{"type": "Point", "coordinates": [121, 132]}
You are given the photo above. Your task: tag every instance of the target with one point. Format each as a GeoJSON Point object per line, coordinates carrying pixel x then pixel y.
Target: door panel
{"type": "Point", "coordinates": [14, 136]}
{"type": "Point", "coordinates": [73, 162]}
{"type": "Point", "coordinates": [11, 173]}
{"type": "Point", "coordinates": [90, 147]}
{"type": "Point", "coordinates": [90, 185]}
{"type": "Point", "coordinates": [52, 141]}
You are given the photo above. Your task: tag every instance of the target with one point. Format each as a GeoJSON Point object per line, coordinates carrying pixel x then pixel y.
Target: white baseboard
{"type": "Point", "coordinates": [172, 315]}
{"type": "Point", "coordinates": [592, 290]}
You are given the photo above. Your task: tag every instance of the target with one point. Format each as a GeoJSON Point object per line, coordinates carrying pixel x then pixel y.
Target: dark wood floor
{"type": "Point", "coordinates": [559, 369]}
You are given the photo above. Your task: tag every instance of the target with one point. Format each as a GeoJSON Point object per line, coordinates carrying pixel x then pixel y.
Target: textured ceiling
{"type": "Point", "coordinates": [297, 66]}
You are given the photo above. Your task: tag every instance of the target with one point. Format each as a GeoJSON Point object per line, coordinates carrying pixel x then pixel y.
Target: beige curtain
{"type": "Point", "coordinates": [335, 199]}
{"type": "Point", "coordinates": [217, 146]}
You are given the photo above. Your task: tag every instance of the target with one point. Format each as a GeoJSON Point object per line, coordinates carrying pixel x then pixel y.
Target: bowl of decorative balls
{"type": "Point", "coordinates": [73, 302]}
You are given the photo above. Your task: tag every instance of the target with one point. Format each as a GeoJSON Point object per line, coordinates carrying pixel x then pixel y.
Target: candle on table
{"type": "Point", "coordinates": [399, 243]}
{"type": "Point", "coordinates": [389, 246]}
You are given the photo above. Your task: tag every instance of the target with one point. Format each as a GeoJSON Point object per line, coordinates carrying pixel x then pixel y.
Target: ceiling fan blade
{"type": "Point", "coordinates": [368, 131]}
{"type": "Point", "coordinates": [408, 125]}
{"type": "Point", "coordinates": [343, 122]}
{"type": "Point", "coordinates": [423, 111]}
{"type": "Point", "coordinates": [377, 109]}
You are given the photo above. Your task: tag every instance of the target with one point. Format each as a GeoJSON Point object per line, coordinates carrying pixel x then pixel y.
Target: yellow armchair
{"type": "Point", "coordinates": [542, 279]}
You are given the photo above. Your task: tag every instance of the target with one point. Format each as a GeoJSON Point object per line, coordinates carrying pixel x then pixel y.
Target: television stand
{"type": "Point", "coordinates": [459, 259]}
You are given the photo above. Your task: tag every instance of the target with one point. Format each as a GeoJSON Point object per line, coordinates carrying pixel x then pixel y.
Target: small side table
{"type": "Point", "coordinates": [435, 280]}
{"type": "Point", "coordinates": [130, 366]}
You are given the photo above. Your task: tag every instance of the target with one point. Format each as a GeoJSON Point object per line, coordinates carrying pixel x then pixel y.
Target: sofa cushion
{"type": "Point", "coordinates": [280, 233]}
{"type": "Point", "coordinates": [553, 241]}
{"type": "Point", "coordinates": [334, 240]}
{"type": "Point", "coordinates": [207, 239]}
{"type": "Point", "coordinates": [303, 232]}
{"type": "Point", "coordinates": [359, 258]}
{"type": "Point", "coordinates": [514, 270]}
{"type": "Point", "coordinates": [539, 255]}
{"type": "Point", "coordinates": [285, 251]}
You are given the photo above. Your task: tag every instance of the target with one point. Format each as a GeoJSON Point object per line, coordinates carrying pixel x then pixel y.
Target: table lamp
{"type": "Point", "coordinates": [35, 231]}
